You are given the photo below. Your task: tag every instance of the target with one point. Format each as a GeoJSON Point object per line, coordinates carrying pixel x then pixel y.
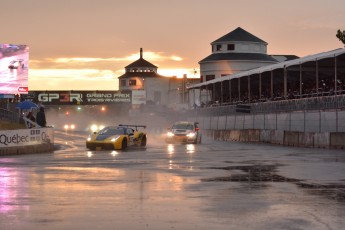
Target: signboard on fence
{"type": "Point", "coordinates": [79, 97]}
{"type": "Point", "coordinates": [138, 97]}
{"type": "Point", "coordinates": [24, 137]}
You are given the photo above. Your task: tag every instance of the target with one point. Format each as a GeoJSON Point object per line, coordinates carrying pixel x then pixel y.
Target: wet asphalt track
{"type": "Point", "coordinates": [215, 185]}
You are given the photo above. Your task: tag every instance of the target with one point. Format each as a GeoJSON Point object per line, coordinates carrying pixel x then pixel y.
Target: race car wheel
{"type": "Point", "coordinates": [143, 141]}
{"type": "Point", "coordinates": [124, 144]}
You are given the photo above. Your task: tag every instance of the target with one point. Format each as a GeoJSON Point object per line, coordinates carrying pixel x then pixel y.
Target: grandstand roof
{"type": "Point", "coordinates": [298, 61]}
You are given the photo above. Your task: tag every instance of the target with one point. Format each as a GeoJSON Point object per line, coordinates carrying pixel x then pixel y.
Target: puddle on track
{"type": "Point", "coordinates": [257, 174]}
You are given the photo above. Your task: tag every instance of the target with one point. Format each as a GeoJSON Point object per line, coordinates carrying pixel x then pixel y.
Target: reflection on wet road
{"type": "Point", "coordinates": [214, 185]}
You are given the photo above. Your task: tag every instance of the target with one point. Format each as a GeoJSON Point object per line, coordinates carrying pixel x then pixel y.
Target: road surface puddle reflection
{"type": "Point", "coordinates": [260, 174]}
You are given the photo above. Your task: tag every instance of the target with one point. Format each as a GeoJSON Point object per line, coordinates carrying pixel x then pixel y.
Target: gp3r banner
{"type": "Point", "coordinates": [79, 97]}
{"type": "Point", "coordinates": [23, 137]}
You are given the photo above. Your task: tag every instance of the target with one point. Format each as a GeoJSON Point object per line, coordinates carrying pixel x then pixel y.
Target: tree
{"type": "Point", "coordinates": [341, 36]}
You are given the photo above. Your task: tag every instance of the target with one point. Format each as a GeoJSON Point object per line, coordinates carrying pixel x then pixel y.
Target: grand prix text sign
{"type": "Point", "coordinates": [23, 137]}
{"type": "Point", "coordinates": [79, 97]}
{"type": "Point", "coordinates": [108, 97]}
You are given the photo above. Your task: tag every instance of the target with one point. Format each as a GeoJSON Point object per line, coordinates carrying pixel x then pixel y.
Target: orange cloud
{"type": "Point", "coordinates": [72, 79]}
{"type": "Point", "coordinates": [152, 56]}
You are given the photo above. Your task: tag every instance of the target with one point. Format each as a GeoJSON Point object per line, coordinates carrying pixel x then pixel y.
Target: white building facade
{"type": "Point", "coordinates": [235, 52]}
{"type": "Point", "coordinates": [147, 86]}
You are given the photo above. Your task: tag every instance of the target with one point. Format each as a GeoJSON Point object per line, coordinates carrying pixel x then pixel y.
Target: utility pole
{"type": "Point", "coordinates": [184, 88]}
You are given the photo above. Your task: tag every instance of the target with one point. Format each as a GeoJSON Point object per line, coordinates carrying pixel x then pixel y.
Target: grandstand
{"type": "Point", "coordinates": [317, 75]}
{"type": "Point", "coordinates": [304, 95]}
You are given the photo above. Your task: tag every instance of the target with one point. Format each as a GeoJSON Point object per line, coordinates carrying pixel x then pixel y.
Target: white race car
{"type": "Point", "coordinates": [185, 132]}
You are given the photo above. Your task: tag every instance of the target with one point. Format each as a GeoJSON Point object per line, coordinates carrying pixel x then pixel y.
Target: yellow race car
{"type": "Point", "coordinates": [117, 137]}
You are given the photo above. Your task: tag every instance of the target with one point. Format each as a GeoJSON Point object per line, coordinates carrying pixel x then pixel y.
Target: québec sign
{"type": "Point", "coordinates": [22, 137]}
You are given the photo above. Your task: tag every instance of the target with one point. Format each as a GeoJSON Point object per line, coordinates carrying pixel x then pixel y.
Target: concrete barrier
{"type": "Point", "coordinates": [41, 148]}
{"type": "Point", "coordinates": [322, 140]}
{"type": "Point", "coordinates": [265, 136]}
{"type": "Point", "coordinates": [254, 135]}
{"type": "Point", "coordinates": [244, 135]}
{"type": "Point", "coordinates": [337, 140]}
{"type": "Point", "coordinates": [291, 138]}
{"type": "Point", "coordinates": [277, 137]}
{"type": "Point", "coordinates": [306, 139]}
{"type": "Point", "coordinates": [226, 135]}
{"type": "Point", "coordinates": [235, 135]}
{"type": "Point", "coordinates": [223, 134]}
{"type": "Point", "coordinates": [218, 135]}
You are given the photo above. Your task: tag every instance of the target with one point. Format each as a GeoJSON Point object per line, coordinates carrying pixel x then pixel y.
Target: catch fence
{"type": "Point", "coordinates": [322, 114]}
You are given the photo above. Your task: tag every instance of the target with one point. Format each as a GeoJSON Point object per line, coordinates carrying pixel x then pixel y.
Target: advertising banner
{"type": "Point", "coordinates": [105, 97]}
{"type": "Point", "coordinates": [23, 137]}
{"type": "Point", "coordinates": [138, 97]}
{"type": "Point", "coordinates": [79, 97]}
{"type": "Point", "coordinates": [14, 68]}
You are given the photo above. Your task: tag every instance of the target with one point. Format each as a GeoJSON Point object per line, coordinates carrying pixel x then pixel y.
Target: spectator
{"type": "Point", "coordinates": [41, 118]}
{"type": "Point", "coordinates": [31, 117]}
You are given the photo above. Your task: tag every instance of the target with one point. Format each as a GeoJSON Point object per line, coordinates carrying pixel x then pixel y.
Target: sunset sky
{"type": "Point", "coordinates": [85, 44]}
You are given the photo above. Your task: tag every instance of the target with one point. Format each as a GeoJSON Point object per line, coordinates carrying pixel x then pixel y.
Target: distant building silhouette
{"type": "Point", "coordinates": [150, 87]}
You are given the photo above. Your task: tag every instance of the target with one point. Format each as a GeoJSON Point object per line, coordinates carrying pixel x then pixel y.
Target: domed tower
{"type": "Point", "coordinates": [136, 73]}
{"type": "Point", "coordinates": [235, 52]}
{"type": "Point", "coordinates": [146, 84]}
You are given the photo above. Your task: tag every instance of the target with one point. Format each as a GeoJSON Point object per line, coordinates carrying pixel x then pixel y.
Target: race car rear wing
{"type": "Point", "coordinates": [135, 126]}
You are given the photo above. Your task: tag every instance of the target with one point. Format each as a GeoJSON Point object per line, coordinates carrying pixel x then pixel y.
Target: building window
{"type": "Point", "coordinates": [231, 46]}
{"type": "Point", "coordinates": [210, 77]}
{"type": "Point", "coordinates": [123, 82]}
{"type": "Point", "coordinates": [219, 47]}
{"type": "Point", "coordinates": [132, 82]}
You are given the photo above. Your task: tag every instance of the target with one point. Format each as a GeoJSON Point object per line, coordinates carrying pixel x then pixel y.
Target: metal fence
{"type": "Point", "coordinates": [323, 114]}
{"type": "Point", "coordinates": [9, 116]}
